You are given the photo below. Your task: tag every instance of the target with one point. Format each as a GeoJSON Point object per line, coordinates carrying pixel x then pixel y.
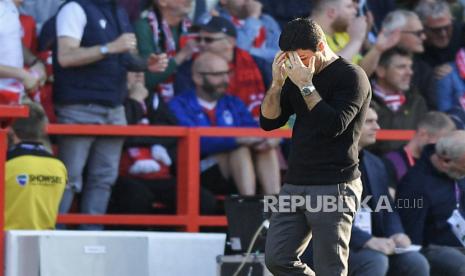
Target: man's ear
{"type": "Point", "coordinates": [331, 12]}
{"type": "Point", "coordinates": [197, 78]}
{"type": "Point", "coordinates": [320, 46]}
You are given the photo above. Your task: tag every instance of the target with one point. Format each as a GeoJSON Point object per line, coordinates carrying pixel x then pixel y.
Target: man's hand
{"type": "Point", "coordinates": [39, 68]}
{"type": "Point", "coordinates": [157, 63]}
{"type": "Point", "coordinates": [383, 245]}
{"type": "Point", "coordinates": [124, 43]}
{"type": "Point", "coordinates": [442, 70]}
{"type": "Point", "coordinates": [300, 74]}
{"type": "Point", "coordinates": [186, 52]}
{"type": "Point", "coordinates": [253, 8]}
{"type": "Point", "coordinates": [358, 28]}
{"type": "Point", "coordinates": [401, 240]}
{"type": "Point", "coordinates": [278, 71]}
{"type": "Point", "coordinates": [387, 39]}
{"type": "Point", "coordinates": [30, 82]}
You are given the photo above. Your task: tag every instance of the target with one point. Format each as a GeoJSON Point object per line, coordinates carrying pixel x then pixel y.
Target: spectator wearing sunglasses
{"type": "Point", "coordinates": [250, 75]}
{"type": "Point", "coordinates": [412, 37]}
{"type": "Point", "coordinates": [443, 35]}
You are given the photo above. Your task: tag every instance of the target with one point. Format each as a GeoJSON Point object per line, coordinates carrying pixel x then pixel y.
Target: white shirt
{"type": "Point", "coordinates": [207, 105]}
{"type": "Point", "coordinates": [71, 21]}
{"type": "Point", "coordinates": [11, 49]}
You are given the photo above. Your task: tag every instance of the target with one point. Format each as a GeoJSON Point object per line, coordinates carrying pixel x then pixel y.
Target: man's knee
{"type": "Point", "coordinates": [416, 264]}
{"type": "Point", "coordinates": [369, 263]}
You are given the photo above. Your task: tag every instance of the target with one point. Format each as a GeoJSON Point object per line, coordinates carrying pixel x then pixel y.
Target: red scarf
{"type": "Point", "coordinates": [259, 39]}
{"type": "Point", "coordinates": [393, 101]}
{"type": "Point", "coordinates": [166, 88]}
{"type": "Point", "coordinates": [29, 38]}
{"type": "Point", "coordinates": [247, 82]}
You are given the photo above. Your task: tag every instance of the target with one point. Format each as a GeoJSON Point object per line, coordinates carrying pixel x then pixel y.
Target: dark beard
{"type": "Point", "coordinates": [340, 26]}
{"type": "Point", "coordinates": [212, 90]}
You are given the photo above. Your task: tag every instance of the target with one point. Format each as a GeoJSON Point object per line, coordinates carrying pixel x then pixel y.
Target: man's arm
{"type": "Point", "coordinates": [357, 33]}
{"type": "Point", "coordinates": [70, 54]}
{"type": "Point", "coordinates": [70, 23]}
{"type": "Point", "coordinates": [272, 115]}
{"type": "Point", "coordinates": [385, 41]}
{"type": "Point", "coordinates": [271, 107]}
{"type": "Point", "coordinates": [29, 81]}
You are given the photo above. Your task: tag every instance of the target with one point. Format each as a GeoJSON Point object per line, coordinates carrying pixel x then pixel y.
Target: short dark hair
{"type": "Point", "coordinates": [301, 33]}
{"type": "Point", "coordinates": [31, 128]}
{"type": "Point", "coordinates": [435, 121]}
{"type": "Point", "coordinates": [386, 57]}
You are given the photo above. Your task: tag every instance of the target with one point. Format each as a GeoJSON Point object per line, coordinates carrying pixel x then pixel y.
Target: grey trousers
{"type": "Point", "coordinates": [100, 155]}
{"type": "Point", "coordinates": [367, 262]}
{"type": "Point", "coordinates": [445, 260]}
{"type": "Point", "coordinates": [290, 232]}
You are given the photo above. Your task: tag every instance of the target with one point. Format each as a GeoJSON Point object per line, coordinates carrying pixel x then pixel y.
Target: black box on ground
{"type": "Point", "coordinates": [254, 265]}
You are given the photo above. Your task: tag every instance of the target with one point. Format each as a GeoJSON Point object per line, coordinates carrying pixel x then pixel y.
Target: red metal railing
{"type": "Point", "coordinates": [6, 113]}
{"type": "Point", "coordinates": [188, 217]}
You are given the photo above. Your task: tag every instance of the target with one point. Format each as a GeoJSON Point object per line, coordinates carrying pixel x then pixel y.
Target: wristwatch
{"type": "Point", "coordinates": [104, 50]}
{"type": "Point", "coordinates": [307, 90]}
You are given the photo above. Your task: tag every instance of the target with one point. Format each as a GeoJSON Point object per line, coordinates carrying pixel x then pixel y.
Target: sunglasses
{"type": "Point", "coordinates": [418, 33]}
{"type": "Point", "coordinates": [439, 30]}
{"type": "Point", "coordinates": [208, 40]}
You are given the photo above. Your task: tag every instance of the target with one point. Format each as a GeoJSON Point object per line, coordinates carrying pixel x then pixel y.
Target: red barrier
{"type": "Point", "coordinates": [6, 112]}
{"type": "Point", "coordinates": [187, 217]}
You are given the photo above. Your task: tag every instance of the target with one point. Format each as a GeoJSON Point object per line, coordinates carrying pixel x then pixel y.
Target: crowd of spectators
{"type": "Point", "coordinates": [208, 63]}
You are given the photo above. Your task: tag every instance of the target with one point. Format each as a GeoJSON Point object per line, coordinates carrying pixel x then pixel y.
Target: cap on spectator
{"type": "Point", "coordinates": [218, 24]}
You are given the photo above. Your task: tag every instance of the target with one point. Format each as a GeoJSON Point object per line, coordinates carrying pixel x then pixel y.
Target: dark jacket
{"type": "Point", "coordinates": [375, 182]}
{"type": "Point", "coordinates": [102, 82]}
{"type": "Point", "coordinates": [158, 114]}
{"type": "Point", "coordinates": [427, 224]}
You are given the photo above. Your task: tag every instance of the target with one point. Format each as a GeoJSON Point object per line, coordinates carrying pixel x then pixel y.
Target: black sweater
{"type": "Point", "coordinates": [324, 147]}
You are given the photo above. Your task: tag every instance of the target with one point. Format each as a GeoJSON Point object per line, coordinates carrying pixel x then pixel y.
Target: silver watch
{"type": "Point", "coordinates": [307, 90]}
{"type": "Point", "coordinates": [104, 50]}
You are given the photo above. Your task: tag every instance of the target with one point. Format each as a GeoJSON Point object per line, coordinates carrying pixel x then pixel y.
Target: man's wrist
{"type": "Point", "coordinates": [105, 49]}
{"type": "Point", "coordinates": [276, 87]}
{"type": "Point", "coordinates": [307, 90]}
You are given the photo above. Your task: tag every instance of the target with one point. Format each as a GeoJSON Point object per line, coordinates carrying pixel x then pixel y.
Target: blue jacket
{"type": "Point", "coordinates": [230, 112]}
{"type": "Point", "coordinates": [102, 82]}
{"type": "Point", "coordinates": [450, 89]}
{"type": "Point", "coordinates": [376, 181]}
{"type": "Point", "coordinates": [428, 224]}
{"type": "Point", "coordinates": [183, 81]}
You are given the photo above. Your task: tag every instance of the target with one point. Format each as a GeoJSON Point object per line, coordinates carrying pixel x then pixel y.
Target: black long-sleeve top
{"type": "Point", "coordinates": [324, 145]}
